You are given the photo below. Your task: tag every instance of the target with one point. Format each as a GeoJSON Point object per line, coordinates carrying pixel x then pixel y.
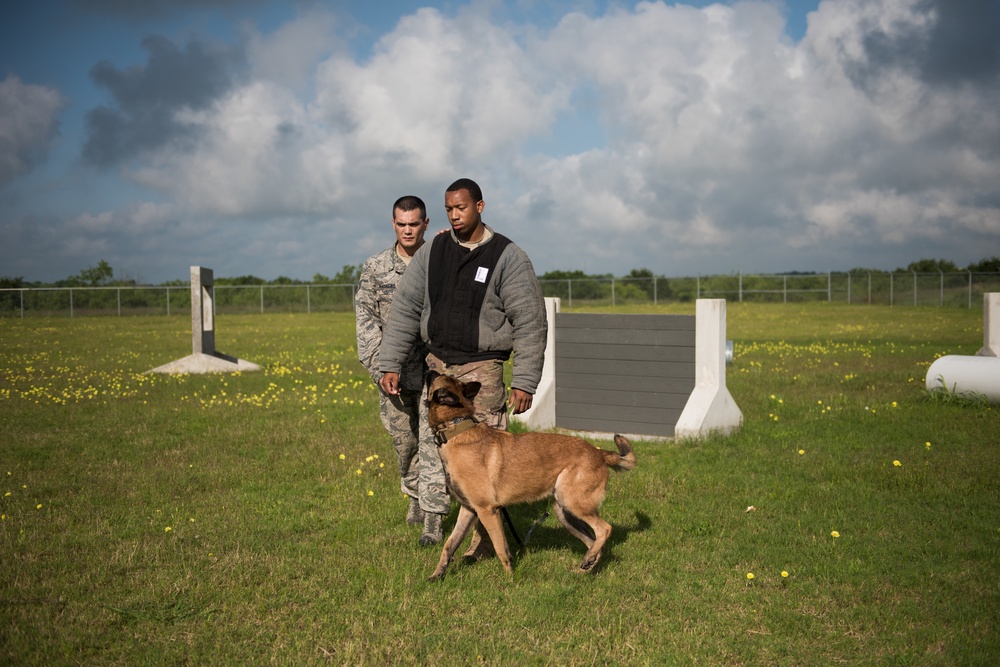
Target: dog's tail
{"type": "Point", "coordinates": [624, 460]}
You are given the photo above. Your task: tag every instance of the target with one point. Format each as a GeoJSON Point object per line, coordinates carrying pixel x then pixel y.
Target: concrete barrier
{"type": "Point", "coordinates": [711, 407]}
{"type": "Point", "coordinates": [628, 389]}
{"type": "Point", "coordinates": [977, 375]}
{"type": "Point", "coordinates": [204, 358]}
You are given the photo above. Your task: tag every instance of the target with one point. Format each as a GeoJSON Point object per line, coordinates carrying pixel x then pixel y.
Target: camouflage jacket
{"type": "Point", "coordinates": [380, 275]}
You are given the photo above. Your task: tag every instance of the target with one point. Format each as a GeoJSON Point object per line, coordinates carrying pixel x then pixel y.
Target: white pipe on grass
{"type": "Point", "coordinates": [966, 375]}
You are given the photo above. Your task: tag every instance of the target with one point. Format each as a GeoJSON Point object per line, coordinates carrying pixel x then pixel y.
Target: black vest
{"type": "Point", "coordinates": [457, 281]}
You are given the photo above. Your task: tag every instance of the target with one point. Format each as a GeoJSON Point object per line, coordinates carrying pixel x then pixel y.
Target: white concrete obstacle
{"type": "Point", "coordinates": [710, 408]}
{"type": "Point", "coordinates": [977, 375]}
{"type": "Point", "coordinates": [991, 325]}
{"type": "Point", "coordinates": [542, 413]}
{"type": "Point", "coordinates": [204, 358]}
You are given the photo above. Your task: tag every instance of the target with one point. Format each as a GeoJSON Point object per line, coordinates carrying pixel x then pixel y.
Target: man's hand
{"type": "Point", "coordinates": [520, 401]}
{"type": "Point", "coordinates": [390, 384]}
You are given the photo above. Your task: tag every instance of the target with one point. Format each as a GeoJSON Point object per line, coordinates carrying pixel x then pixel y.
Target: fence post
{"type": "Point", "coordinates": [612, 292]}
{"type": "Point", "coordinates": [914, 288]}
{"type": "Point", "coordinates": [119, 302]}
{"type": "Point", "coordinates": [570, 281]}
{"type": "Point", "coordinates": [654, 290]}
{"type": "Point", "coordinates": [22, 304]}
{"type": "Point", "coordinates": [848, 288]}
{"type": "Point", "coordinates": [784, 290]}
{"type": "Point", "coordinates": [308, 302]}
{"type": "Point", "coordinates": [741, 287]}
{"type": "Point", "coordinates": [70, 303]}
{"type": "Point", "coordinates": [970, 289]}
{"type": "Point", "coordinates": [892, 289]}
{"type": "Point", "coordinates": [261, 299]}
{"type": "Point", "coordinates": [829, 287]}
{"type": "Point", "coordinates": [942, 288]}
{"type": "Point", "coordinates": [869, 288]}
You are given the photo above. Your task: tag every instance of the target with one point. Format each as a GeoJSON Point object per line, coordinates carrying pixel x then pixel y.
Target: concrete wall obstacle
{"type": "Point", "coordinates": [991, 325]}
{"type": "Point", "coordinates": [647, 376]}
{"type": "Point", "coordinates": [623, 373]}
{"type": "Point", "coordinates": [710, 408]}
{"type": "Point", "coordinates": [542, 413]}
{"type": "Point", "coordinates": [204, 358]}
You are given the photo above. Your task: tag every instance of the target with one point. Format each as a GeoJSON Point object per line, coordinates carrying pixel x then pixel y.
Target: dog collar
{"type": "Point", "coordinates": [452, 428]}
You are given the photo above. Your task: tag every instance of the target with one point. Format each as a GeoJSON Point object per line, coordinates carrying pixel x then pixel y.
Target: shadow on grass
{"type": "Point", "coordinates": [549, 534]}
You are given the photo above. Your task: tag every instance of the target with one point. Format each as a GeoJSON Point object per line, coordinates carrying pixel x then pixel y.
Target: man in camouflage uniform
{"type": "Point", "coordinates": [473, 298]}
{"type": "Point", "coordinates": [400, 413]}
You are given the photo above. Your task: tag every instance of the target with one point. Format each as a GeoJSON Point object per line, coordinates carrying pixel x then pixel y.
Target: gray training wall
{"type": "Point", "coordinates": [647, 376]}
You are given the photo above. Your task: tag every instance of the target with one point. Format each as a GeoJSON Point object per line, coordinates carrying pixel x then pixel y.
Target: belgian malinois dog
{"type": "Point", "coordinates": [489, 469]}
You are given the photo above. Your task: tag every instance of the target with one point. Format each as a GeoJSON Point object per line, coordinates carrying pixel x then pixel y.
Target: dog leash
{"type": "Point", "coordinates": [538, 522]}
{"type": "Point", "coordinates": [510, 524]}
{"type": "Point", "coordinates": [527, 536]}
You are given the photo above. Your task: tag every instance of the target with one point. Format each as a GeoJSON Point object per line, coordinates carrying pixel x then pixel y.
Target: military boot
{"type": "Point", "coordinates": [432, 529]}
{"type": "Point", "coordinates": [414, 515]}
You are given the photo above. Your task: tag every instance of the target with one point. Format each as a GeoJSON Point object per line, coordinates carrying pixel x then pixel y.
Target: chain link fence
{"type": "Point", "coordinates": [173, 300]}
{"type": "Point", "coordinates": [944, 290]}
{"type": "Point", "coordinates": [963, 289]}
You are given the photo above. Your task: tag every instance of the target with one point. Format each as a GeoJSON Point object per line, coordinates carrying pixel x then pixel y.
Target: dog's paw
{"type": "Point", "coordinates": [588, 563]}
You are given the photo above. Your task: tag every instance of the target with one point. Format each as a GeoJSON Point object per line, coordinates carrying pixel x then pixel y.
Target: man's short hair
{"type": "Point", "coordinates": [467, 184]}
{"type": "Point", "coordinates": [409, 203]}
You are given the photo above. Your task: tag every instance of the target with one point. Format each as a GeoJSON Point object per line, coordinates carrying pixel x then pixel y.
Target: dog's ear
{"type": "Point", "coordinates": [471, 389]}
{"type": "Point", "coordinates": [445, 397]}
{"type": "Point", "coordinates": [430, 377]}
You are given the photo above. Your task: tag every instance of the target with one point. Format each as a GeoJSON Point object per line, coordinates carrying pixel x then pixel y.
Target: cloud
{"type": "Point", "coordinates": [730, 143]}
{"type": "Point", "coordinates": [149, 9]}
{"type": "Point", "coordinates": [437, 95]}
{"type": "Point", "coordinates": [947, 43]}
{"type": "Point", "coordinates": [28, 125]}
{"type": "Point", "coordinates": [148, 101]}
{"type": "Point", "coordinates": [290, 54]}
{"type": "Point", "coordinates": [722, 143]}
{"type": "Point", "coordinates": [136, 239]}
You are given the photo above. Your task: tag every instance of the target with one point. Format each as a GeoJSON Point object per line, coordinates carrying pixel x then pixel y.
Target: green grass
{"type": "Point", "coordinates": [286, 542]}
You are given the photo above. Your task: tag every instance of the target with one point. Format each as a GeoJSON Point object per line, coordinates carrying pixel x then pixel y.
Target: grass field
{"type": "Point", "coordinates": [257, 518]}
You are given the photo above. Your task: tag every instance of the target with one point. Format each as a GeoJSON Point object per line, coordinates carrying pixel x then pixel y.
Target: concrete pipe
{"type": "Point", "coordinates": [963, 374]}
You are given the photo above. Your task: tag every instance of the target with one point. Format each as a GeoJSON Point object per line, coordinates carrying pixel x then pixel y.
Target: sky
{"type": "Point", "coordinates": [269, 138]}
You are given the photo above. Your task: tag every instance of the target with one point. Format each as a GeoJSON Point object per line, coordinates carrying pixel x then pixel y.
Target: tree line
{"type": "Point", "coordinates": [103, 275]}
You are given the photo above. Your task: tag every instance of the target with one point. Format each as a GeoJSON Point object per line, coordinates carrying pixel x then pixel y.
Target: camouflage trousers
{"type": "Point", "coordinates": [491, 407]}
{"type": "Point", "coordinates": [400, 417]}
